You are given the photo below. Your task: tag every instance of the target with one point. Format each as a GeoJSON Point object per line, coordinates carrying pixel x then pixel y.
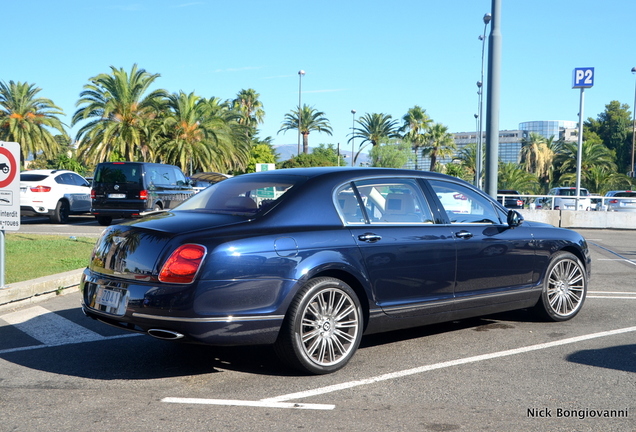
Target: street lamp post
{"type": "Point", "coordinates": [300, 79]}
{"type": "Point", "coordinates": [634, 128]}
{"type": "Point", "coordinates": [353, 125]}
{"type": "Point", "coordinates": [480, 92]}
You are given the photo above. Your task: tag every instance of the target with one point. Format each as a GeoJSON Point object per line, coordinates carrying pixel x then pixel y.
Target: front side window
{"type": "Point", "coordinates": [464, 205]}
{"type": "Point", "coordinates": [392, 201]}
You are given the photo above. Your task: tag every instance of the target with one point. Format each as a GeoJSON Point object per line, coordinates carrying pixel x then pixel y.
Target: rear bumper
{"type": "Point", "coordinates": [218, 313]}
{"type": "Point", "coordinates": [35, 211]}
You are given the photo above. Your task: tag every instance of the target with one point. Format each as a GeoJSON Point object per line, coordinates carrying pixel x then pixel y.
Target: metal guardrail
{"type": "Point", "coordinates": [598, 203]}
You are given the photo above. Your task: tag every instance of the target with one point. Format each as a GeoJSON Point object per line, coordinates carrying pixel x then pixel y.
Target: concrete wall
{"type": "Point", "coordinates": [582, 219]}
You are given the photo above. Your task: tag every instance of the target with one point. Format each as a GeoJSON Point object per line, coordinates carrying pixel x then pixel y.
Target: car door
{"type": "Point", "coordinates": [77, 195]}
{"type": "Point", "coordinates": [81, 193]}
{"type": "Point", "coordinates": [409, 257]}
{"type": "Point", "coordinates": [495, 262]}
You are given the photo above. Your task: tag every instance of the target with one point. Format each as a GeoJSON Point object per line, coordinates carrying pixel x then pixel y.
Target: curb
{"type": "Point", "coordinates": [31, 291]}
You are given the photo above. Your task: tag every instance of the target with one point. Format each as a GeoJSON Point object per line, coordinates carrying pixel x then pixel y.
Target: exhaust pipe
{"type": "Point", "coordinates": [165, 334]}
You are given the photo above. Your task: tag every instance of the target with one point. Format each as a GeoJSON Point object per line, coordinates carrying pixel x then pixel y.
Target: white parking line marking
{"type": "Point", "coordinates": [611, 295]}
{"type": "Point", "coordinates": [260, 404]}
{"type": "Point", "coordinates": [421, 369]}
{"type": "Point", "coordinates": [612, 292]}
{"type": "Point", "coordinates": [49, 328]}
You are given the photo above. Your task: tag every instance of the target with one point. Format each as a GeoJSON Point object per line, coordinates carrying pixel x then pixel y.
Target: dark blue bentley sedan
{"type": "Point", "coordinates": [310, 259]}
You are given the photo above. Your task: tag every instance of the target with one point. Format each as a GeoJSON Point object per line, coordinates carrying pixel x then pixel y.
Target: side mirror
{"type": "Point", "coordinates": [514, 219]}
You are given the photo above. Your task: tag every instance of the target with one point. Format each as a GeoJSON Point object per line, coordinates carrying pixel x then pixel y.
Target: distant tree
{"type": "Point", "coordinates": [188, 133]}
{"type": "Point", "coordinates": [323, 155]}
{"type": "Point", "coordinates": [439, 144]}
{"type": "Point", "coordinates": [250, 108]}
{"type": "Point", "coordinates": [537, 155]}
{"type": "Point", "coordinates": [415, 123]}
{"type": "Point", "coordinates": [614, 127]}
{"type": "Point", "coordinates": [29, 120]}
{"type": "Point", "coordinates": [595, 156]}
{"type": "Point", "coordinates": [458, 170]}
{"type": "Point", "coordinates": [512, 176]}
{"type": "Point", "coordinates": [390, 155]}
{"type": "Point", "coordinates": [259, 153]}
{"type": "Point", "coordinates": [310, 120]}
{"type": "Point", "coordinates": [374, 129]}
{"type": "Point", "coordinates": [467, 156]}
{"type": "Point", "coordinates": [121, 113]}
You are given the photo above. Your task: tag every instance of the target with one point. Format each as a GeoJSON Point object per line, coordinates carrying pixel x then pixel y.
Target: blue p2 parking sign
{"type": "Point", "coordinates": [583, 77]}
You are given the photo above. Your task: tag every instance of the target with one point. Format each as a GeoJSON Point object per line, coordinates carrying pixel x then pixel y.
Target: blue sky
{"type": "Point", "coordinates": [367, 55]}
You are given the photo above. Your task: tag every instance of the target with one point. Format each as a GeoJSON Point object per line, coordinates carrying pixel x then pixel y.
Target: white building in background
{"type": "Point", "coordinates": [509, 140]}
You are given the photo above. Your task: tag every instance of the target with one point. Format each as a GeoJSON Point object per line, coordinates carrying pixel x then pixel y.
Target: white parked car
{"type": "Point", "coordinates": [54, 193]}
{"type": "Point", "coordinates": [621, 201]}
{"type": "Point", "coordinates": [565, 199]}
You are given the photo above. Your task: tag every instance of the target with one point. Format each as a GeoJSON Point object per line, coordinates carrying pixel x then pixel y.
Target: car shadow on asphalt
{"type": "Point", "coordinates": [123, 355]}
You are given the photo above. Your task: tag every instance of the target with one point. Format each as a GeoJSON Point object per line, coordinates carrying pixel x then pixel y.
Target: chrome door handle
{"type": "Point", "coordinates": [369, 237]}
{"type": "Point", "coordinates": [464, 234]}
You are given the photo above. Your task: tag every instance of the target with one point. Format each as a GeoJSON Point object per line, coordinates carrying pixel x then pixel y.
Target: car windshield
{"type": "Point", "coordinates": [242, 195]}
{"type": "Point", "coordinates": [119, 173]}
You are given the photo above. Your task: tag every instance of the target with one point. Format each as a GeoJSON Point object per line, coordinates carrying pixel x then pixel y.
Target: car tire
{"type": "Point", "coordinates": [104, 220]}
{"type": "Point", "coordinates": [323, 327]}
{"type": "Point", "coordinates": [61, 213]}
{"type": "Point", "coordinates": [564, 288]}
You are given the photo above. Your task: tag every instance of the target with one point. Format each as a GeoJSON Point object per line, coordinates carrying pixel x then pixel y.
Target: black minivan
{"type": "Point", "coordinates": [128, 189]}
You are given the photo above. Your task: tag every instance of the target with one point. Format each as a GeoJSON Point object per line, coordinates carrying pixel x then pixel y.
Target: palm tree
{"type": "Point", "coordinates": [186, 135]}
{"type": "Point", "coordinates": [439, 143]}
{"type": "Point", "coordinates": [467, 155]}
{"type": "Point", "coordinates": [310, 120]}
{"type": "Point", "coordinates": [122, 115]}
{"type": "Point", "coordinates": [594, 157]}
{"type": "Point", "coordinates": [251, 109]}
{"type": "Point", "coordinates": [28, 119]}
{"type": "Point", "coordinates": [415, 123]}
{"type": "Point", "coordinates": [512, 176]}
{"type": "Point", "coordinates": [374, 129]}
{"type": "Point", "coordinates": [537, 155]}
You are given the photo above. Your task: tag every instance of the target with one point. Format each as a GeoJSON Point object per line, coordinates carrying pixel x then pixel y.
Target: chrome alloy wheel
{"type": "Point", "coordinates": [566, 287]}
{"type": "Point", "coordinates": [329, 327]}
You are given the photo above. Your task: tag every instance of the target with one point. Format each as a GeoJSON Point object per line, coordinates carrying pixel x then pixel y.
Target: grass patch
{"type": "Point", "coordinates": [29, 256]}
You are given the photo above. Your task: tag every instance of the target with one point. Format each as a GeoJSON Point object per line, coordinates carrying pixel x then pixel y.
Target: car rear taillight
{"type": "Point", "coordinates": [519, 203]}
{"type": "Point", "coordinates": [40, 189]}
{"type": "Point", "coordinates": [183, 265]}
{"type": "Point", "coordinates": [93, 194]}
{"type": "Point", "coordinates": [143, 194]}
{"type": "Point", "coordinates": [614, 201]}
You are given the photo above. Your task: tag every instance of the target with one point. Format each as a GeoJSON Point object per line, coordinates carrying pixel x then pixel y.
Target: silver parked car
{"type": "Point", "coordinates": [621, 201]}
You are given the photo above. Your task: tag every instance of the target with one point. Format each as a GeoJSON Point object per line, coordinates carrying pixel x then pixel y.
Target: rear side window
{"type": "Point", "coordinates": [161, 175]}
{"type": "Point", "coordinates": [389, 201]}
{"type": "Point", "coordinates": [119, 173]}
{"type": "Point", "coordinates": [33, 177]}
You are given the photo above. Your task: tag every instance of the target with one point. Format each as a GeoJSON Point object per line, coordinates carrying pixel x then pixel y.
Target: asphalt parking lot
{"type": "Point", "coordinates": [62, 371]}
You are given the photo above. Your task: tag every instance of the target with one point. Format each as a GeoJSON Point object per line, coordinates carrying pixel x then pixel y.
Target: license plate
{"type": "Point", "coordinates": [108, 298]}
{"type": "Point", "coordinates": [116, 195]}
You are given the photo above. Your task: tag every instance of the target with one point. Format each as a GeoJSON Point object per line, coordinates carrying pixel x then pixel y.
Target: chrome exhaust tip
{"type": "Point", "coordinates": [165, 334]}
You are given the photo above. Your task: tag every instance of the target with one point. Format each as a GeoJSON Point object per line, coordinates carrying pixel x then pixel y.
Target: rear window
{"type": "Point", "coordinates": [571, 192]}
{"type": "Point", "coordinates": [242, 194]}
{"type": "Point", "coordinates": [119, 173]}
{"type": "Point", "coordinates": [33, 177]}
{"type": "Point", "coordinates": [626, 194]}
